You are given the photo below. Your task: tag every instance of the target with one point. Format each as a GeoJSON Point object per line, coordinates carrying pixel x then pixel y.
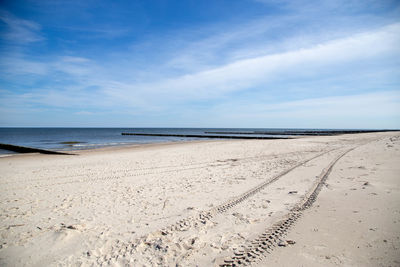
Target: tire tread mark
{"type": "Point", "coordinates": [255, 249]}
{"type": "Point", "coordinates": [203, 217]}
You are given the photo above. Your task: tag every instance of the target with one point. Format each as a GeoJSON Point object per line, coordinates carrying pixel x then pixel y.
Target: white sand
{"type": "Point", "coordinates": [114, 206]}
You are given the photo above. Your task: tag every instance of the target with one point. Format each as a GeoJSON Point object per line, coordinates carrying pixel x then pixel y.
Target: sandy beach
{"type": "Point", "coordinates": [310, 201]}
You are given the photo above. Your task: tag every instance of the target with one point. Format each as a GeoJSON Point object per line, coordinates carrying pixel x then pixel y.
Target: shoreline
{"type": "Point", "coordinates": [111, 147]}
{"type": "Point", "coordinates": [115, 148]}
{"type": "Point", "coordinates": [191, 202]}
{"type": "Point", "coordinates": [77, 139]}
{"type": "Point", "coordinates": [163, 143]}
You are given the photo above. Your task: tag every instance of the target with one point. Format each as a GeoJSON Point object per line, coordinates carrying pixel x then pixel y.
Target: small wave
{"type": "Point", "coordinates": [71, 142]}
{"type": "Point", "coordinates": [102, 144]}
{"type": "Point", "coordinates": [6, 155]}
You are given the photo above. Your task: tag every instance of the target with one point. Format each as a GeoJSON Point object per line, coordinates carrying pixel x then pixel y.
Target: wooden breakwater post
{"type": "Point", "coordinates": [24, 149]}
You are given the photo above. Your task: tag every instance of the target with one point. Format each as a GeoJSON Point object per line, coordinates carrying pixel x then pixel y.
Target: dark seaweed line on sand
{"type": "Point", "coordinates": [24, 149]}
{"type": "Point", "coordinates": [208, 136]}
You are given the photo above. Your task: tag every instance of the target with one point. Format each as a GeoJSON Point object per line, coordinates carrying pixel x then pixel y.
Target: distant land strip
{"type": "Point", "coordinates": [209, 136]}
{"type": "Point", "coordinates": [306, 132]}
{"type": "Point", "coordinates": [24, 149]}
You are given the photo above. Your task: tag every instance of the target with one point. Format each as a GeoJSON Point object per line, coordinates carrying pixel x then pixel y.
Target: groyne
{"type": "Point", "coordinates": [24, 149]}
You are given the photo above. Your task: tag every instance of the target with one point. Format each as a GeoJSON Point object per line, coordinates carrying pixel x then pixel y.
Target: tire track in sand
{"type": "Point", "coordinates": [121, 174]}
{"type": "Point", "coordinates": [158, 241]}
{"type": "Point", "coordinates": [255, 250]}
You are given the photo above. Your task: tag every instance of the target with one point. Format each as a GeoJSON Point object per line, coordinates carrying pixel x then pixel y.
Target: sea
{"type": "Point", "coordinates": [66, 139]}
{"type": "Point", "coordinates": [63, 139]}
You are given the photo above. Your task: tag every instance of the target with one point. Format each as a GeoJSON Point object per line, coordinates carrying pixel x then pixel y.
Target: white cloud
{"type": "Point", "coordinates": [75, 59]}
{"type": "Point", "coordinates": [259, 71]}
{"type": "Point", "coordinates": [20, 30]}
{"type": "Point", "coordinates": [84, 113]}
{"type": "Point", "coordinates": [367, 110]}
{"type": "Point", "coordinates": [216, 83]}
{"type": "Point", "coordinates": [16, 64]}
{"type": "Point", "coordinates": [92, 84]}
{"type": "Point", "coordinates": [323, 6]}
{"type": "Point", "coordinates": [74, 66]}
{"type": "Point", "coordinates": [371, 104]}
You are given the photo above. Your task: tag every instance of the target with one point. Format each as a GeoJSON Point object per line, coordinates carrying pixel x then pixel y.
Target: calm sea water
{"type": "Point", "coordinates": [87, 138]}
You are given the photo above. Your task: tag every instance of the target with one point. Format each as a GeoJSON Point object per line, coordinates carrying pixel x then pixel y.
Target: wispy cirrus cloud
{"type": "Point", "coordinates": [263, 72]}
{"type": "Point", "coordinates": [16, 64]}
{"type": "Point", "coordinates": [199, 49]}
{"type": "Point", "coordinates": [354, 111]}
{"type": "Point", "coordinates": [19, 31]}
{"type": "Point", "coordinates": [267, 63]}
{"type": "Point", "coordinates": [260, 71]}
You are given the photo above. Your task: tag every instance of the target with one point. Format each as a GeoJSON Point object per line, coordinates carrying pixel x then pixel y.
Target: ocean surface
{"type": "Point", "coordinates": [88, 138]}
{"type": "Point", "coordinates": [62, 139]}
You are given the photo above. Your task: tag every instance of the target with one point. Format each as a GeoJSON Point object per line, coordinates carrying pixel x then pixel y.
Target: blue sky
{"type": "Point", "coordinates": [250, 63]}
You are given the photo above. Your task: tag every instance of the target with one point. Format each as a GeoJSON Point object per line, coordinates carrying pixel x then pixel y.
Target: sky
{"type": "Point", "coordinates": [190, 63]}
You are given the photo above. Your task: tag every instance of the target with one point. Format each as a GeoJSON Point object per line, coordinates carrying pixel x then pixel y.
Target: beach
{"type": "Point", "coordinates": [308, 201]}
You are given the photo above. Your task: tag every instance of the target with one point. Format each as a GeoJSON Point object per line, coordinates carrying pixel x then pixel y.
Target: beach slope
{"type": "Point", "coordinates": [335, 200]}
